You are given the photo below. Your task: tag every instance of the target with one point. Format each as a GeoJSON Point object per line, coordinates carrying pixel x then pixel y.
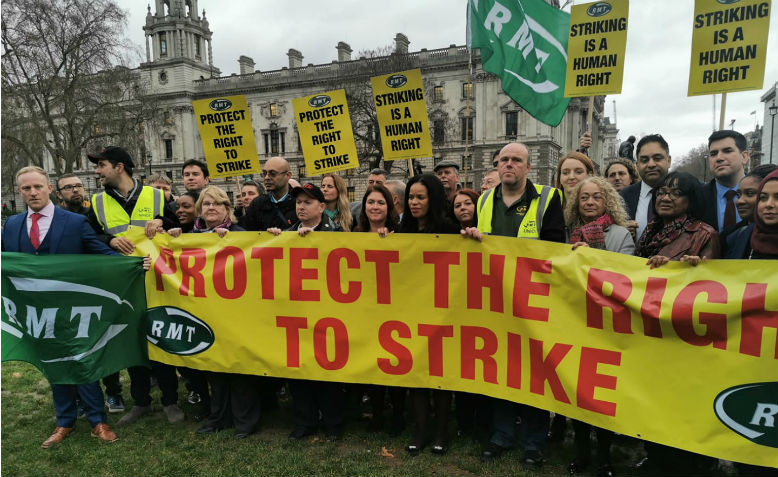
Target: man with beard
{"type": "Point", "coordinates": [277, 207]}
{"type": "Point", "coordinates": [72, 194]}
{"type": "Point", "coordinates": [126, 202]}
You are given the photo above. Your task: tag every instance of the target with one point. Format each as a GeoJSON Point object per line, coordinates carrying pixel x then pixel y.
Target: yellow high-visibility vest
{"type": "Point", "coordinates": [532, 221]}
{"type": "Point", "coordinates": [114, 219]}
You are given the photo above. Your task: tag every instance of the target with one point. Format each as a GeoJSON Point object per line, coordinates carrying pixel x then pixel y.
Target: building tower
{"type": "Point", "coordinates": [178, 46]}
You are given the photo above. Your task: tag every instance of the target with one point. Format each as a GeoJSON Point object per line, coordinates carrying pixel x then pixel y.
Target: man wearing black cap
{"type": "Point", "coordinates": [124, 202]}
{"type": "Point", "coordinates": [448, 173]}
{"type": "Point", "coordinates": [309, 206]}
{"type": "Point", "coordinates": [312, 398]}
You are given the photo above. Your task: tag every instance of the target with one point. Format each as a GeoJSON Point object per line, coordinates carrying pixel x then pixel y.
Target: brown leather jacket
{"type": "Point", "coordinates": [698, 239]}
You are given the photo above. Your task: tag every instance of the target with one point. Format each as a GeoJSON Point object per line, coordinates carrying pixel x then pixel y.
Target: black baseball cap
{"type": "Point", "coordinates": [112, 153]}
{"type": "Point", "coordinates": [310, 190]}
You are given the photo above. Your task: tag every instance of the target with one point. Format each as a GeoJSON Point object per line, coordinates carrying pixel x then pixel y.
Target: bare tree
{"type": "Point", "coordinates": [695, 162]}
{"type": "Point", "coordinates": [64, 85]}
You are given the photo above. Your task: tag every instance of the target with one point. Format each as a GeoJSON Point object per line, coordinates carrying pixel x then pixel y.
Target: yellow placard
{"type": "Point", "coordinates": [729, 45]}
{"type": "Point", "coordinates": [227, 136]}
{"type": "Point", "coordinates": [596, 48]}
{"type": "Point", "coordinates": [681, 355]}
{"type": "Point", "coordinates": [402, 115]}
{"type": "Point", "coordinates": [325, 132]}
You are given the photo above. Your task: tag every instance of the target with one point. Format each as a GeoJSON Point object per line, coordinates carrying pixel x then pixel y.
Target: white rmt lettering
{"type": "Point", "coordinates": [189, 332]}
{"type": "Point", "coordinates": [497, 17]}
{"type": "Point", "coordinates": [156, 328]}
{"type": "Point", "coordinates": [765, 411]}
{"type": "Point", "coordinates": [174, 331]}
{"type": "Point", "coordinates": [84, 314]}
{"type": "Point", "coordinates": [523, 39]}
{"type": "Point", "coordinates": [10, 310]}
{"type": "Point", "coordinates": [35, 325]}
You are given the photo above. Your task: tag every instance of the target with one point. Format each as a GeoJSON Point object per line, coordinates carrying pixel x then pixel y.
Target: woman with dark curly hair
{"type": "Point", "coordinates": [427, 211]}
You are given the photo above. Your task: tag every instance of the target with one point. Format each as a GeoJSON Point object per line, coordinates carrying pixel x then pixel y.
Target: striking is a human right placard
{"type": "Point", "coordinates": [729, 45]}
{"type": "Point", "coordinates": [402, 115]}
{"type": "Point", "coordinates": [596, 48]}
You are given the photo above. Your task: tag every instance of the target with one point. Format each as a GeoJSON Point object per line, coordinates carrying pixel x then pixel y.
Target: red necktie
{"type": "Point", "coordinates": [35, 234]}
{"type": "Point", "coordinates": [729, 211]}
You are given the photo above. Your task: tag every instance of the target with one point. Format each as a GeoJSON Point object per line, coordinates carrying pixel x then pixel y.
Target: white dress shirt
{"type": "Point", "coordinates": [641, 214]}
{"type": "Point", "coordinates": [44, 222]}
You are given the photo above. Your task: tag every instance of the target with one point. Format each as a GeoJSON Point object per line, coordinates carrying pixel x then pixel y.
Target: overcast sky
{"type": "Point", "coordinates": [656, 75]}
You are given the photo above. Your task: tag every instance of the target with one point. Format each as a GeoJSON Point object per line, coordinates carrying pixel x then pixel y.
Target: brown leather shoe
{"type": "Point", "coordinates": [104, 433]}
{"type": "Point", "coordinates": [60, 433]}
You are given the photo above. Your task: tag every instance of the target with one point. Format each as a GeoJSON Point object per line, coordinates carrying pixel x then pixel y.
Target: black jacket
{"type": "Point", "coordinates": [711, 214]}
{"type": "Point", "coordinates": [631, 196]}
{"type": "Point", "coordinates": [325, 225]}
{"type": "Point", "coordinates": [262, 214]}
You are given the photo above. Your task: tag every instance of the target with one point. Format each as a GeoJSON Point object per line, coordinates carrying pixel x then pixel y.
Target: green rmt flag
{"type": "Point", "coordinates": [77, 318]}
{"type": "Point", "coordinates": [524, 42]}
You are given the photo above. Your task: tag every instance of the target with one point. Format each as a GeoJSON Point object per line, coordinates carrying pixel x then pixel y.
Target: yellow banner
{"type": "Point", "coordinates": [325, 132]}
{"type": "Point", "coordinates": [402, 115]}
{"type": "Point", "coordinates": [596, 48]}
{"type": "Point", "coordinates": [227, 136]}
{"type": "Point", "coordinates": [729, 45]}
{"type": "Point", "coordinates": [686, 356]}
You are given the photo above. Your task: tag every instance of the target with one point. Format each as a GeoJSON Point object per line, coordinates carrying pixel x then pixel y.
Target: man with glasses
{"type": "Point", "coordinates": [277, 207]}
{"type": "Point", "coordinates": [71, 193]}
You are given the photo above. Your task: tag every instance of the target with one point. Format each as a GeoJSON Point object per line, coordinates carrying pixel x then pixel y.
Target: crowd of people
{"type": "Point", "coordinates": [636, 208]}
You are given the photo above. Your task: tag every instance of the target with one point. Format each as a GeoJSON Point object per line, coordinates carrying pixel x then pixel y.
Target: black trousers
{"type": "Point", "coordinates": [441, 402]}
{"type": "Point", "coordinates": [378, 404]}
{"type": "Point", "coordinates": [235, 401]}
{"type": "Point", "coordinates": [140, 383]}
{"type": "Point", "coordinates": [197, 381]}
{"type": "Point", "coordinates": [474, 414]}
{"type": "Point", "coordinates": [113, 387]}
{"type": "Point", "coordinates": [583, 443]}
{"type": "Point", "coordinates": [310, 397]}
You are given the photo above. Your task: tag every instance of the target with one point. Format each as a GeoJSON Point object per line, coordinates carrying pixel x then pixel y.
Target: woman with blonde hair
{"type": "Point", "coordinates": [235, 398]}
{"type": "Point", "coordinates": [336, 201]}
{"type": "Point", "coordinates": [214, 211]}
{"type": "Point", "coordinates": [571, 169]}
{"type": "Point", "coordinates": [596, 218]}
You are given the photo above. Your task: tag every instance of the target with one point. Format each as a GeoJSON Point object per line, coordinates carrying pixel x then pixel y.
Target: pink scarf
{"type": "Point", "coordinates": [592, 233]}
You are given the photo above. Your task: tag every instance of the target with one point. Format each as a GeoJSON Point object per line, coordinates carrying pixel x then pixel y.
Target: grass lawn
{"type": "Point", "coordinates": [153, 447]}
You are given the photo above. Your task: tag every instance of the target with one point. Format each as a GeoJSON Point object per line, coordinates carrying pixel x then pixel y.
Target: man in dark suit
{"type": "Point", "coordinates": [46, 229]}
{"type": "Point", "coordinates": [727, 156]}
{"type": "Point", "coordinates": [653, 164]}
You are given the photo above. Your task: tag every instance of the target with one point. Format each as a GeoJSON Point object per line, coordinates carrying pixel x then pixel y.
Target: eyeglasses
{"type": "Point", "coordinates": [674, 193]}
{"type": "Point", "coordinates": [70, 187]}
{"type": "Point", "coordinates": [212, 204]}
{"type": "Point", "coordinates": [272, 173]}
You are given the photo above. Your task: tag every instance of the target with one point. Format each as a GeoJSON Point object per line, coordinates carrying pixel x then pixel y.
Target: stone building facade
{"type": "Point", "coordinates": [470, 116]}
